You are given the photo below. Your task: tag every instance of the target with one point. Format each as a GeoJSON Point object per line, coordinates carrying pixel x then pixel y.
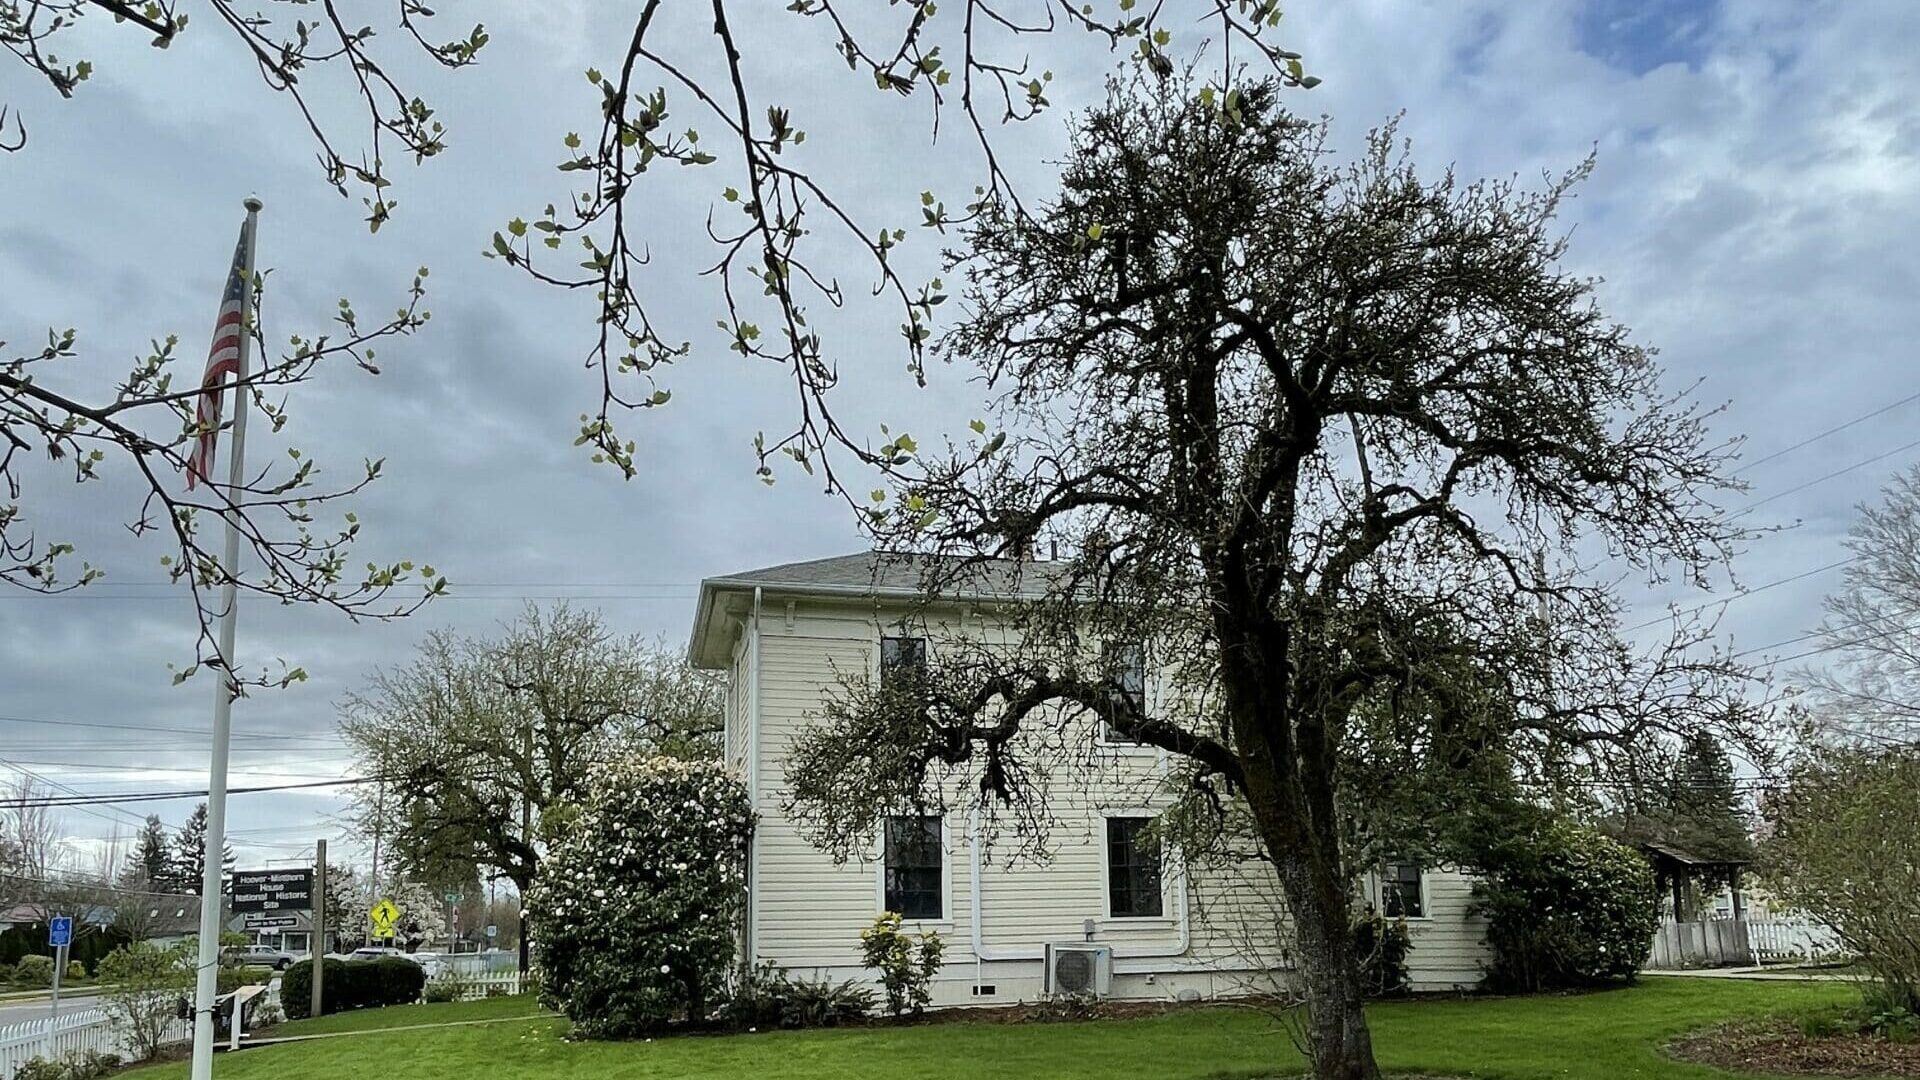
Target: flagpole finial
{"type": "Point", "coordinates": [253, 204]}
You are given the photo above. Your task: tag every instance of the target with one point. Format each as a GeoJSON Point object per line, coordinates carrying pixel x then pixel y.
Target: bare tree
{"type": "Point", "coordinates": [31, 831]}
{"type": "Point", "coordinates": [1869, 689]}
{"type": "Point", "coordinates": [1301, 430]}
{"type": "Point", "coordinates": [479, 739]}
{"type": "Point", "coordinates": [139, 421]}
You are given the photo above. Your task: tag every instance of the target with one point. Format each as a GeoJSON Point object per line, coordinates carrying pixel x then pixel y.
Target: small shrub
{"type": "Point", "coordinates": [1565, 907]}
{"type": "Point", "coordinates": [76, 970]}
{"type": "Point", "coordinates": [771, 998]}
{"type": "Point", "coordinates": [1383, 945]}
{"type": "Point", "coordinates": [34, 971]}
{"type": "Point", "coordinates": [906, 963]}
{"type": "Point", "coordinates": [449, 987]}
{"type": "Point", "coordinates": [496, 991]}
{"type": "Point", "coordinates": [1824, 1025]}
{"type": "Point", "coordinates": [39, 1068]}
{"type": "Point", "coordinates": [634, 912]}
{"type": "Point", "coordinates": [144, 982]}
{"type": "Point", "coordinates": [72, 1065]}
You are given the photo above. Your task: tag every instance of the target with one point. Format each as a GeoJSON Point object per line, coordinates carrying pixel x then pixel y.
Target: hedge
{"type": "Point", "coordinates": [352, 984]}
{"type": "Point", "coordinates": [89, 946]}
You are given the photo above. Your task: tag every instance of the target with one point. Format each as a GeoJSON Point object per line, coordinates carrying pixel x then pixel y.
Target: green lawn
{"type": "Point", "coordinates": [408, 1015]}
{"type": "Point", "coordinates": [1602, 1036]}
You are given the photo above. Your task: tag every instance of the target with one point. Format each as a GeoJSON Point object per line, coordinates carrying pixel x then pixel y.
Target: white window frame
{"type": "Point", "coordinates": [898, 631]}
{"type": "Point", "coordinates": [1426, 891]}
{"type": "Point", "coordinates": [946, 873]}
{"type": "Point", "coordinates": [1111, 740]}
{"type": "Point", "coordinates": [1170, 865]}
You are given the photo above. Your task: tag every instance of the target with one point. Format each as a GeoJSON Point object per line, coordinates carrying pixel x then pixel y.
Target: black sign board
{"type": "Point", "coordinates": [257, 921]}
{"type": "Point", "coordinates": [273, 890]}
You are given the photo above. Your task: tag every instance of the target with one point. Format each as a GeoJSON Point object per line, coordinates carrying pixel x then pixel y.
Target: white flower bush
{"type": "Point", "coordinates": [634, 912]}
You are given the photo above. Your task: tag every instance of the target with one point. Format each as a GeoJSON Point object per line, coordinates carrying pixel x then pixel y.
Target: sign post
{"type": "Point", "coordinates": [384, 916]}
{"type": "Point", "coordinates": [317, 938]}
{"type": "Point", "coordinates": [60, 936]}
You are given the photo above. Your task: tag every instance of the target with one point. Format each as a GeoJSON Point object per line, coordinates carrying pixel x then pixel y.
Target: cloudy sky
{"type": "Point", "coordinates": [1752, 214]}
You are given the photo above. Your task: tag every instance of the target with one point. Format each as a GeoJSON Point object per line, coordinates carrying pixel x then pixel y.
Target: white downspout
{"type": "Point", "coordinates": [980, 952]}
{"type": "Point", "coordinates": [753, 782]}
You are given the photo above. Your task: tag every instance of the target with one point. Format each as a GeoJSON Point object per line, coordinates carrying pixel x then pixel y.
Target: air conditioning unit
{"type": "Point", "coordinates": [1079, 970]}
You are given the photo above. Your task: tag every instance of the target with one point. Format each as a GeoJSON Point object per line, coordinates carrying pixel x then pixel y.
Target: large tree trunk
{"type": "Point", "coordinates": [1337, 1034]}
{"type": "Point", "coordinates": [1308, 863]}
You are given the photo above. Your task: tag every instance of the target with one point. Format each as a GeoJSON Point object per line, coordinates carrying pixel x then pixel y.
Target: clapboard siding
{"type": "Point", "coordinates": [1223, 929]}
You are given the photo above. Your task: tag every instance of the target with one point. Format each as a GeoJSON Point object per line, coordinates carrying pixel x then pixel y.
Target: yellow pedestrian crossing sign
{"type": "Point", "coordinates": [384, 915]}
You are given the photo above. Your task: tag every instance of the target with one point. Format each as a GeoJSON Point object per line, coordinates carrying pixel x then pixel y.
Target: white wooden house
{"type": "Point", "coordinates": [1100, 910]}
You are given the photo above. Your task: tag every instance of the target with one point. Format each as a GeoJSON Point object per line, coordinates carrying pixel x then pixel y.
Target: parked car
{"type": "Point", "coordinates": [375, 952]}
{"type": "Point", "coordinates": [261, 956]}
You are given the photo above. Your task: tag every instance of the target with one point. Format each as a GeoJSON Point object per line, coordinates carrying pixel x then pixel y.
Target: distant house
{"type": "Point", "coordinates": [164, 920]}
{"type": "Point", "coordinates": [1104, 913]}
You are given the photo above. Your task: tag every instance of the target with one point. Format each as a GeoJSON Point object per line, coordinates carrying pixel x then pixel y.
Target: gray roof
{"type": "Point", "coordinates": [878, 575]}
{"type": "Point", "coordinates": [899, 573]}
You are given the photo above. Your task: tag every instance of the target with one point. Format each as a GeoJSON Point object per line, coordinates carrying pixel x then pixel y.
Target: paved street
{"type": "Point", "coordinates": [13, 1012]}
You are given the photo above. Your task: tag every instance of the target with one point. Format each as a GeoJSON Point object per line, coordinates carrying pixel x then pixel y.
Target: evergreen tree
{"type": "Point", "coordinates": [149, 865]}
{"type": "Point", "coordinates": [190, 853]}
{"type": "Point", "coordinates": [1703, 802]}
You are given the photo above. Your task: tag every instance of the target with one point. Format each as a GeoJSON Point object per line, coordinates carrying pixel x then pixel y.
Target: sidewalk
{"type": "Point", "coordinates": [1761, 974]}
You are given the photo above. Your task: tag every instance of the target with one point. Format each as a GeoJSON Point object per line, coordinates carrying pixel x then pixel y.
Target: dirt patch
{"type": "Point", "coordinates": [1778, 1046]}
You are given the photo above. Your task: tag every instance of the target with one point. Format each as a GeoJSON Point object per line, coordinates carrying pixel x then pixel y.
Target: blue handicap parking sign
{"type": "Point", "coordinates": [60, 930]}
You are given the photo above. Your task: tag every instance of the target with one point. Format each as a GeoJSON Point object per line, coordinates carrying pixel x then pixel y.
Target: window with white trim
{"type": "Point", "coordinates": [903, 661]}
{"type": "Point", "coordinates": [1133, 869]}
{"type": "Point", "coordinates": [1402, 892]}
{"type": "Point", "coordinates": [1124, 666]}
{"type": "Point", "coordinates": [915, 865]}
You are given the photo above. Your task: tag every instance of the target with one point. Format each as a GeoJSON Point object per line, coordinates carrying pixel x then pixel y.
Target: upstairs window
{"type": "Point", "coordinates": [1133, 869]}
{"type": "Point", "coordinates": [903, 661]}
{"type": "Point", "coordinates": [1401, 892]}
{"type": "Point", "coordinates": [915, 866]}
{"type": "Point", "coordinates": [1124, 666]}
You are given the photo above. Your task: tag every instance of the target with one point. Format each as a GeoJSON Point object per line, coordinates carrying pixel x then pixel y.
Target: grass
{"type": "Point", "coordinates": [1603, 1036]}
{"type": "Point", "coordinates": [408, 1015]}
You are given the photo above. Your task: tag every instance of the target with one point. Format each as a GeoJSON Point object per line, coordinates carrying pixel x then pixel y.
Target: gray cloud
{"type": "Point", "coordinates": [1750, 213]}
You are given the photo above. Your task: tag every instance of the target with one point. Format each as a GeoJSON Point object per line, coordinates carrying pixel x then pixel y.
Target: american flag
{"type": "Point", "coordinates": [222, 360]}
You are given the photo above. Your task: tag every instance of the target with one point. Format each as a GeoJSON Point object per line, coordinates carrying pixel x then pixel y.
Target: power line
{"type": "Point", "coordinates": [1752, 506]}
{"type": "Point", "coordinates": [1744, 593]}
{"type": "Point", "coordinates": [163, 730]}
{"type": "Point", "coordinates": [151, 768]}
{"type": "Point", "coordinates": [1836, 429]}
{"type": "Point", "coordinates": [156, 796]}
{"type": "Point", "coordinates": [58, 786]}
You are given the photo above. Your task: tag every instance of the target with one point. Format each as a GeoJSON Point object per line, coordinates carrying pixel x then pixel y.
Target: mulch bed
{"type": "Point", "coordinates": [1777, 1046]}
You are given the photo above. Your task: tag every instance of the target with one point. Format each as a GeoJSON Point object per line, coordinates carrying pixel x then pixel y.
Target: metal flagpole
{"type": "Point", "coordinates": [210, 882]}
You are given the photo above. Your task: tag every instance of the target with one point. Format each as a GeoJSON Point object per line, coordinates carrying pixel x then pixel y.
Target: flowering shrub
{"type": "Point", "coordinates": [1565, 906]}
{"type": "Point", "coordinates": [906, 962]}
{"type": "Point", "coordinates": [633, 914]}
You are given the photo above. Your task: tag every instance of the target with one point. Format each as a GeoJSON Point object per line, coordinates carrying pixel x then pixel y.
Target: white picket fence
{"type": "Point", "coordinates": [1787, 939]}
{"type": "Point", "coordinates": [1721, 941]}
{"type": "Point", "coordinates": [474, 986]}
{"type": "Point", "coordinates": [74, 1031]}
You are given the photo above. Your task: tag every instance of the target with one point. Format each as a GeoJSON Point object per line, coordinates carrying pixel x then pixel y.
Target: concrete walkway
{"type": "Point", "coordinates": [1763, 974]}
{"type": "Point", "coordinates": [270, 1041]}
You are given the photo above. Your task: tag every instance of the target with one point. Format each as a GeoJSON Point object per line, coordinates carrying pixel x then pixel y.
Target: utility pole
{"type": "Point", "coordinates": [526, 836]}
{"type": "Point", "coordinates": [379, 818]}
{"type": "Point", "coordinates": [318, 939]}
